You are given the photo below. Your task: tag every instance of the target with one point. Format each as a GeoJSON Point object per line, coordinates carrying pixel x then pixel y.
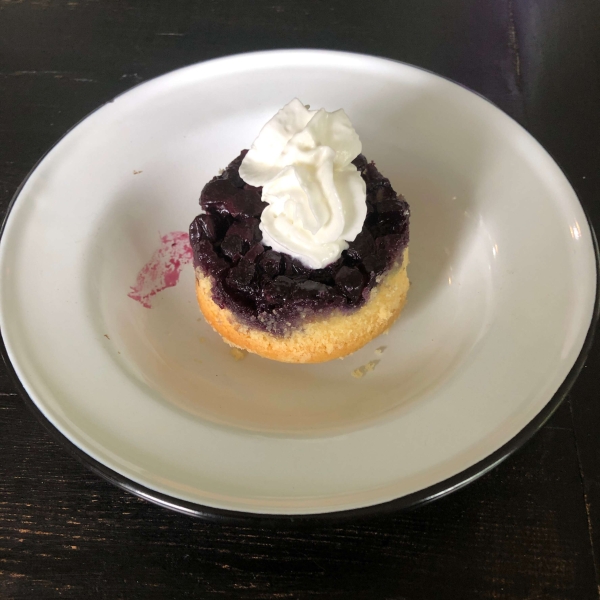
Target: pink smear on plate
{"type": "Point", "coordinates": [163, 269]}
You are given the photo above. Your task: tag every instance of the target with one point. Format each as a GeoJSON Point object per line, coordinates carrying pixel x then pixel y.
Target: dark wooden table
{"type": "Point", "coordinates": [528, 529]}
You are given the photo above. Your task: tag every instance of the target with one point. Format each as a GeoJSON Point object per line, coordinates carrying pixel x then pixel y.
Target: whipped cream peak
{"type": "Point", "coordinates": [316, 197]}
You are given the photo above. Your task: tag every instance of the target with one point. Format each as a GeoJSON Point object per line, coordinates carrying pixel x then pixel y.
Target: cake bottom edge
{"type": "Point", "coordinates": [335, 336]}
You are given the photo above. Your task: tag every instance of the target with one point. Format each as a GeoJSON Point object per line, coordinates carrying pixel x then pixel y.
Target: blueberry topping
{"type": "Point", "coordinates": [240, 277]}
{"type": "Point", "coordinates": [233, 247]}
{"type": "Point", "coordinates": [273, 291]}
{"type": "Point", "coordinates": [351, 282]}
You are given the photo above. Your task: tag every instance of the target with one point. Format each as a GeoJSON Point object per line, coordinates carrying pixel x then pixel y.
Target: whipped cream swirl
{"type": "Point", "coordinates": [317, 199]}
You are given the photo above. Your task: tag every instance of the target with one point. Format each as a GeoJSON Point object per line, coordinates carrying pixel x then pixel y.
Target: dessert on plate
{"type": "Point", "coordinates": [301, 248]}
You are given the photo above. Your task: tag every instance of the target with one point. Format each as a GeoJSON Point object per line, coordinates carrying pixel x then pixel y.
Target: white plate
{"type": "Point", "coordinates": [503, 287]}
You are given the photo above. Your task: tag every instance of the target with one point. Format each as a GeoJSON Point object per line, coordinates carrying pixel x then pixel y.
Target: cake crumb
{"type": "Point", "coordinates": [136, 172]}
{"type": "Point", "coordinates": [362, 371]}
{"type": "Point", "coordinates": [221, 171]}
{"type": "Point", "coordinates": [379, 351]}
{"type": "Point", "coordinates": [238, 354]}
{"type": "Point", "coordinates": [358, 373]}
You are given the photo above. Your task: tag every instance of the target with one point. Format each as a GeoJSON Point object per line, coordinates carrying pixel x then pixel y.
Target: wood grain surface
{"type": "Point", "coordinates": [528, 529]}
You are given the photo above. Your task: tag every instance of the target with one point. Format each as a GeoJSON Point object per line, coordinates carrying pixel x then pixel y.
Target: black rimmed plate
{"type": "Point", "coordinates": [503, 273]}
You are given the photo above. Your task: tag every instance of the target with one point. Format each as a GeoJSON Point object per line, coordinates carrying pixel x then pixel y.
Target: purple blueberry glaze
{"type": "Point", "coordinates": [272, 291]}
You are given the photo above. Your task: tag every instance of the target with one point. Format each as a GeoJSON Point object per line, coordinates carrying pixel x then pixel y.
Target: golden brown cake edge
{"type": "Point", "coordinates": [335, 336]}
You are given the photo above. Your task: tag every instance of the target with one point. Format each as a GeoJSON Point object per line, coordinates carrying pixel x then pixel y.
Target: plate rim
{"type": "Point", "coordinates": [409, 501]}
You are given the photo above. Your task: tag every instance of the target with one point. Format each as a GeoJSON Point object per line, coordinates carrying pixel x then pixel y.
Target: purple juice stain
{"type": "Point", "coordinates": [163, 269]}
{"type": "Point", "coordinates": [272, 291]}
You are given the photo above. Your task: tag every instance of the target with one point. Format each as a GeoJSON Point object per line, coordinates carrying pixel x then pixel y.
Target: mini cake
{"type": "Point", "coordinates": [301, 248]}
